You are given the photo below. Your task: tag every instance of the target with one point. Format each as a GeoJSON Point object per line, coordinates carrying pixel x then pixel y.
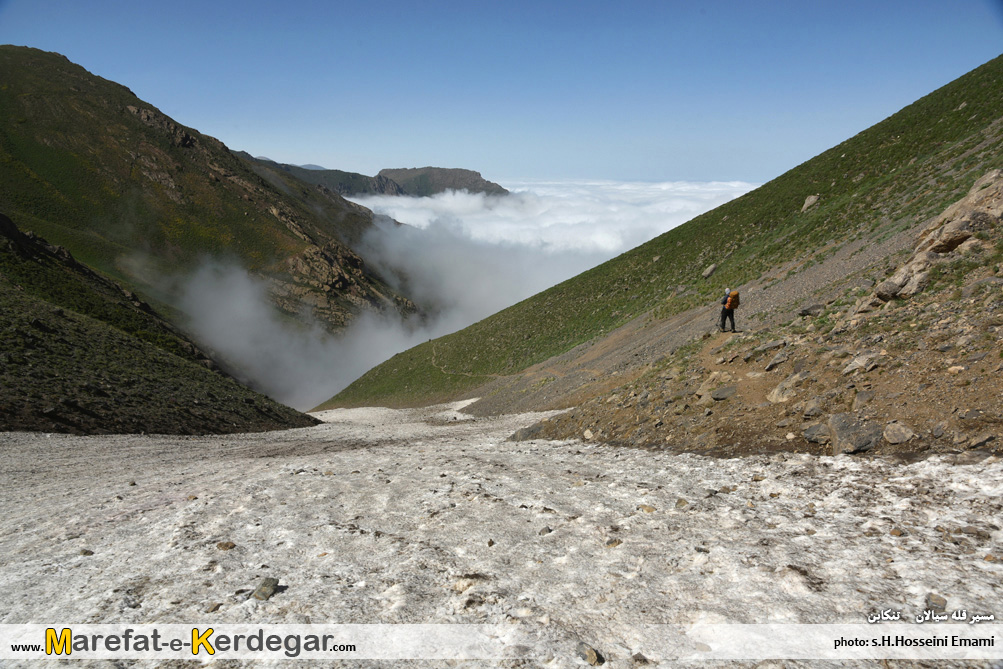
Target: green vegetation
{"type": "Point", "coordinates": [87, 165]}
{"type": "Point", "coordinates": [890, 177]}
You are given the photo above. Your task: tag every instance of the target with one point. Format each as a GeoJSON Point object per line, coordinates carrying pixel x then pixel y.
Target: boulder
{"type": "Point", "coordinates": [897, 433]}
{"type": "Point", "coordinates": [787, 388]}
{"type": "Point", "coordinates": [809, 202]}
{"type": "Point", "coordinates": [724, 393]}
{"type": "Point", "coordinates": [851, 434]}
{"type": "Point", "coordinates": [779, 359]}
{"type": "Point", "coordinates": [709, 271]}
{"type": "Point", "coordinates": [817, 434]}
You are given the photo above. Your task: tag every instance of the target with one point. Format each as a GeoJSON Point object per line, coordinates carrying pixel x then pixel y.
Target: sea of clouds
{"type": "Point", "coordinates": [460, 256]}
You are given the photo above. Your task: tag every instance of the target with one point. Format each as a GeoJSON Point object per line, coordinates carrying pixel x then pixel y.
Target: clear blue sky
{"type": "Point", "coordinates": [630, 90]}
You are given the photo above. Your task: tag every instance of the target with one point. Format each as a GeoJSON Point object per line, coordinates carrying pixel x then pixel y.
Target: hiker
{"type": "Point", "coordinates": [728, 305]}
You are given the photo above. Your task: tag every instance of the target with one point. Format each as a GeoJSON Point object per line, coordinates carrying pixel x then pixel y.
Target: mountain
{"type": "Point", "coordinates": [417, 182]}
{"type": "Point", "coordinates": [342, 183]}
{"type": "Point", "coordinates": [425, 181]}
{"type": "Point", "coordinates": [632, 340]}
{"type": "Point", "coordinates": [140, 197]}
{"type": "Point", "coordinates": [82, 354]}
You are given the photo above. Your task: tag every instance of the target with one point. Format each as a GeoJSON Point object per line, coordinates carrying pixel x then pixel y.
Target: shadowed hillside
{"type": "Point", "coordinates": [83, 355]}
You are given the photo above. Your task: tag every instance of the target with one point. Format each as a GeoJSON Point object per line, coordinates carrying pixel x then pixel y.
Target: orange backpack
{"type": "Point", "coordinates": [732, 302]}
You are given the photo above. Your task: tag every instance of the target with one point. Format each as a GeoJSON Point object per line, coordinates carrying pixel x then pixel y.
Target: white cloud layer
{"type": "Point", "coordinates": [460, 256]}
{"type": "Point", "coordinates": [591, 216]}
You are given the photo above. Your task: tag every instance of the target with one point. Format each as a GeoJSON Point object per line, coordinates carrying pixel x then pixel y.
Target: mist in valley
{"type": "Point", "coordinates": [460, 256]}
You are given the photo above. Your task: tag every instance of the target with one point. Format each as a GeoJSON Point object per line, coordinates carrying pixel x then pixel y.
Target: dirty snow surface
{"type": "Point", "coordinates": [431, 516]}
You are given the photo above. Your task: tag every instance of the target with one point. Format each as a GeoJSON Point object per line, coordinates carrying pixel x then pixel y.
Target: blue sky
{"type": "Point", "coordinates": [634, 90]}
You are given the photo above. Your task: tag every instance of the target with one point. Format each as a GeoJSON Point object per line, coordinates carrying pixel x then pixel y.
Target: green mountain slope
{"type": "Point", "coordinates": [130, 192]}
{"type": "Point", "coordinates": [886, 179]}
{"type": "Point", "coordinates": [81, 354]}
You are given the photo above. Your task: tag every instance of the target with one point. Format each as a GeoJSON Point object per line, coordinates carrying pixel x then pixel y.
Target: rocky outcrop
{"type": "Point", "coordinates": [950, 234]}
{"type": "Point", "coordinates": [424, 181]}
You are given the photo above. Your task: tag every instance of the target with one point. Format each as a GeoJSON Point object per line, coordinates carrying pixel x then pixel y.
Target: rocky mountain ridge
{"type": "Point", "coordinates": [425, 181]}
{"type": "Point", "coordinates": [415, 181]}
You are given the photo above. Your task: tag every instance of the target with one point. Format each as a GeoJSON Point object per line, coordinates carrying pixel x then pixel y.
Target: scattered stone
{"type": "Point", "coordinates": [936, 602]}
{"type": "Point", "coordinates": [812, 311]}
{"type": "Point", "coordinates": [860, 361]}
{"type": "Point", "coordinates": [647, 508]}
{"type": "Point", "coordinates": [779, 359]}
{"type": "Point", "coordinates": [758, 477]}
{"type": "Point", "coordinates": [226, 545]}
{"type": "Point", "coordinates": [981, 440]}
{"type": "Point", "coordinates": [896, 532]}
{"type": "Point", "coordinates": [939, 429]}
{"type": "Point", "coordinates": [545, 531]}
{"type": "Point", "coordinates": [702, 549]}
{"type": "Point", "coordinates": [897, 433]}
{"type": "Point", "coordinates": [709, 271]}
{"type": "Point", "coordinates": [809, 202]}
{"type": "Point", "coordinates": [813, 408]}
{"type": "Point", "coordinates": [86, 551]}
{"type": "Point", "coordinates": [213, 608]}
{"type": "Point", "coordinates": [613, 543]}
{"type": "Point", "coordinates": [862, 398]}
{"type": "Point", "coordinates": [589, 654]}
{"type": "Point", "coordinates": [588, 435]}
{"type": "Point", "coordinates": [724, 393]}
{"type": "Point", "coordinates": [787, 389]}
{"type": "Point", "coordinates": [491, 542]}
{"type": "Point", "coordinates": [765, 348]}
{"type": "Point", "coordinates": [681, 503]}
{"type": "Point", "coordinates": [638, 658]}
{"type": "Point", "coordinates": [266, 588]}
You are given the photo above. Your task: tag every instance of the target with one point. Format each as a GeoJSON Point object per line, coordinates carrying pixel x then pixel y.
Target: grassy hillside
{"type": "Point", "coordinates": [901, 171]}
{"type": "Point", "coordinates": [130, 192]}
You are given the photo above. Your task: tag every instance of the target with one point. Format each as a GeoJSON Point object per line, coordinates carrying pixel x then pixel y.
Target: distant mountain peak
{"type": "Point", "coordinates": [424, 181]}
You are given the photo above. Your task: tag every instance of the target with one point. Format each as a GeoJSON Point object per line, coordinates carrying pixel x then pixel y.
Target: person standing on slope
{"type": "Point", "coordinates": [728, 305]}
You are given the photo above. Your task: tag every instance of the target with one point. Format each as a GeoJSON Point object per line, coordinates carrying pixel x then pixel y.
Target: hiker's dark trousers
{"type": "Point", "coordinates": [728, 314]}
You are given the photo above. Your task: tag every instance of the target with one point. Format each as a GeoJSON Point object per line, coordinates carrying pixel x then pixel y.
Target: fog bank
{"type": "Point", "coordinates": [461, 257]}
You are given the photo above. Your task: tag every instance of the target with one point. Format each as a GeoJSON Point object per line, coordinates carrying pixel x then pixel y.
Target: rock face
{"type": "Point", "coordinates": [424, 181]}
{"type": "Point", "coordinates": [949, 234]}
